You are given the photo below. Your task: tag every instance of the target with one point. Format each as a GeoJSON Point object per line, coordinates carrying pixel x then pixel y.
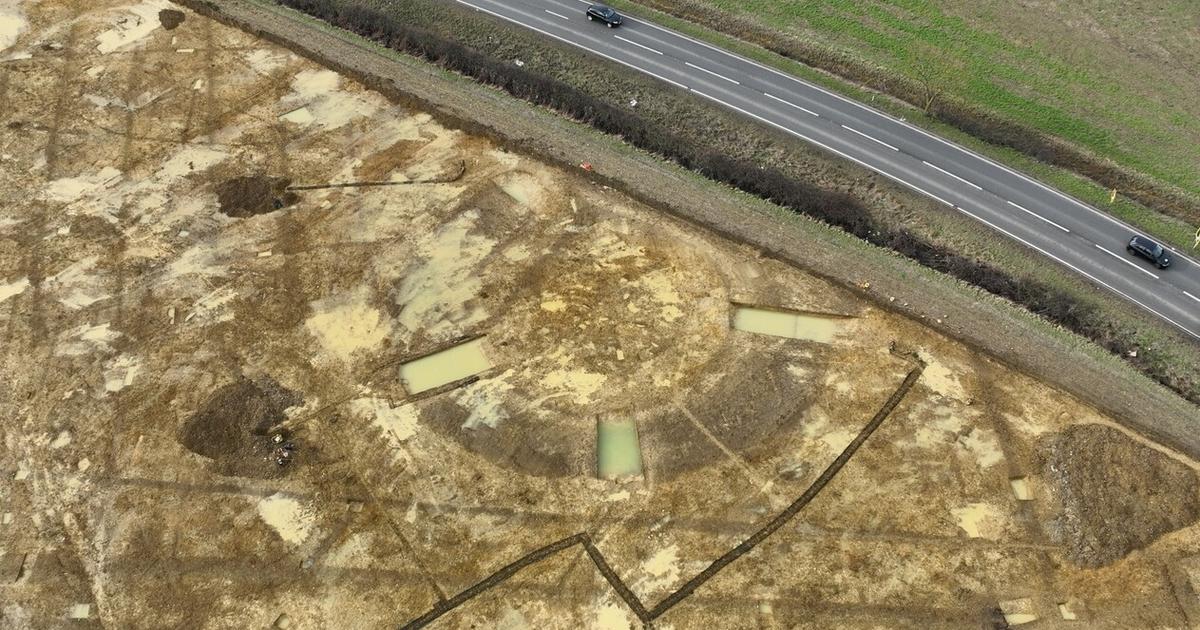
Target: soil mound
{"type": "Point", "coordinates": [1117, 495]}
{"type": "Point", "coordinates": [233, 427]}
{"type": "Point", "coordinates": [170, 18]}
{"type": "Point", "coordinates": [248, 196]}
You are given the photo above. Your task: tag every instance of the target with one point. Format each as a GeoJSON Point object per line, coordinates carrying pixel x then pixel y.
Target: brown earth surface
{"type": "Point", "coordinates": [153, 346]}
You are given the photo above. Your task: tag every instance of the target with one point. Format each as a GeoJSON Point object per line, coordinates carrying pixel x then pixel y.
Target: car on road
{"type": "Point", "coordinates": [604, 14]}
{"type": "Point", "coordinates": [1148, 249]}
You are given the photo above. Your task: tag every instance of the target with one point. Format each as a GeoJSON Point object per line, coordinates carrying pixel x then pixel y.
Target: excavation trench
{"type": "Point", "coordinates": [646, 616]}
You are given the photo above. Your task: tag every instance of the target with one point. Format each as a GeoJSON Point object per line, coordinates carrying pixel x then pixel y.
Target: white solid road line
{"type": "Point", "coordinates": [823, 146]}
{"type": "Point", "coordinates": [719, 76]}
{"type": "Point", "coordinates": [907, 125]}
{"type": "Point", "coordinates": [854, 159]}
{"type": "Point", "coordinates": [1036, 215]}
{"type": "Point", "coordinates": [803, 109]}
{"type": "Point", "coordinates": [1079, 270]}
{"type": "Point", "coordinates": [1127, 262]}
{"type": "Point", "coordinates": [556, 14]}
{"type": "Point", "coordinates": [852, 130]}
{"type": "Point", "coordinates": [573, 43]}
{"type": "Point", "coordinates": [637, 44]}
{"type": "Point", "coordinates": [1191, 296]}
{"type": "Point", "coordinates": [944, 171]}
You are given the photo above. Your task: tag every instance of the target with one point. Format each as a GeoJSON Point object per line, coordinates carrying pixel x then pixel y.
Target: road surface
{"type": "Point", "coordinates": [1060, 227]}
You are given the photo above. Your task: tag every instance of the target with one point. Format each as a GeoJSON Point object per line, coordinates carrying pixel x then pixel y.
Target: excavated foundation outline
{"type": "Point", "coordinates": [647, 616]}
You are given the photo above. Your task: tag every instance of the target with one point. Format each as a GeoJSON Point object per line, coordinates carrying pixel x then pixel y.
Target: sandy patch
{"type": "Point", "coordinates": [611, 617]}
{"type": "Point", "coordinates": [329, 106]}
{"type": "Point", "coordinates": [979, 520]}
{"type": "Point", "coordinates": [287, 517]}
{"type": "Point", "coordinates": [86, 339]}
{"type": "Point", "coordinates": [397, 423]}
{"type": "Point", "coordinates": [578, 383]}
{"type": "Point", "coordinates": [120, 372]}
{"type": "Point", "coordinates": [433, 296]}
{"type": "Point", "coordinates": [940, 378]}
{"type": "Point", "coordinates": [347, 324]}
{"type": "Point", "coordinates": [16, 287]}
{"type": "Point", "coordinates": [485, 400]}
{"type": "Point", "coordinates": [75, 287]}
{"type": "Point", "coordinates": [12, 23]}
{"type": "Point", "coordinates": [133, 26]}
{"type": "Point", "coordinates": [68, 189]}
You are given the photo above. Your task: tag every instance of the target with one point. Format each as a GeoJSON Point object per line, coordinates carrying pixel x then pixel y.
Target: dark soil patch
{"type": "Point", "coordinates": [249, 196]}
{"type": "Point", "coordinates": [170, 18]}
{"type": "Point", "coordinates": [233, 428]}
{"type": "Point", "coordinates": [1117, 495]}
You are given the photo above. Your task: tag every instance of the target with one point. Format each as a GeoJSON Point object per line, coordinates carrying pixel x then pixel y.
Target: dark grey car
{"type": "Point", "coordinates": [1149, 250]}
{"type": "Point", "coordinates": [604, 14]}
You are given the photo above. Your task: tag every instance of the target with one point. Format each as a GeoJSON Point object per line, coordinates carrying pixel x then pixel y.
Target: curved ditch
{"type": "Point", "coordinates": [647, 616]}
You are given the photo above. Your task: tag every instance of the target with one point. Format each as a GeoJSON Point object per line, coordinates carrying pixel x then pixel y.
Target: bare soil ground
{"type": "Point", "coordinates": [155, 343]}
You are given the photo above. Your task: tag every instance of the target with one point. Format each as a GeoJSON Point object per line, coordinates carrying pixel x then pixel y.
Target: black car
{"type": "Point", "coordinates": [604, 14]}
{"type": "Point", "coordinates": [1149, 250]}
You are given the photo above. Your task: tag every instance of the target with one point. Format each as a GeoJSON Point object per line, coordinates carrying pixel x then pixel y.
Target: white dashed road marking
{"type": "Point", "coordinates": [942, 170]}
{"type": "Point", "coordinates": [853, 130]}
{"type": "Point", "coordinates": [719, 76]}
{"type": "Point", "coordinates": [803, 109]}
{"type": "Point", "coordinates": [637, 44]}
{"type": "Point", "coordinates": [1036, 215]}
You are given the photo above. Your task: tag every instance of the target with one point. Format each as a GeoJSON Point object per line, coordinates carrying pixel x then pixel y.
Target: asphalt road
{"type": "Point", "coordinates": [1064, 229]}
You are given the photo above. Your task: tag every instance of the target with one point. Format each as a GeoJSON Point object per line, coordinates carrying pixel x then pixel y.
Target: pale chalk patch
{"type": "Point", "coordinates": [16, 287]}
{"type": "Point", "coordinates": [130, 29]}
{"type": "Point", "coordinates": [63, 439]}
{"type": "Point", "coordinates": [346, 324]}
{"type": "Point", "coordinates": [579, 383]}
{"type": "Point", "coordinates": [398, 424]}
{"type": "Point", "coordinates": [191, 159]}
{"type": "Point", "coordinates": [12, 23]}
{"type": "Point", "coordinates": [120, 372]}
{"type": "Point", "coordinates": [433, 295]}
{"type": "Point", "coordinates": [81, 287]}
{"type": "Point", "coordinates": [299, 116]}
{"type": "Point", "coordinates": [516, 253]}
{"type": "Point", "coordinates": [287, 517]}
{"type": "Point", "coordinates": [984, 446]}
{"type": "Point", "coordinates": [330, 107]}
{"type": "Point", "coordinates": [485, 400]}
{"type": "Point", "coordinates": [80, 611]}
{"type": "Point", "coordinates": [979, 520]}
{"type": "Point", "coordinates": [554, 304]}
{"type": "Point", "coordinates": [85, 339]}
{"type": "Point", "coordinates": [265, 60]}
{"type": "Point", "coordinates": [68, 189]}
{"type": "Point", "coordinates": [663, 567]}
{"type": "Point", "coordinates": [938, 377]}
{"type": "Point", "coordinates": [611, 617]}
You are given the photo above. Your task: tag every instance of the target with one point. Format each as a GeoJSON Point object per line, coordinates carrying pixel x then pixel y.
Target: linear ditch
{"type": "Point", "coordinates": [647, 616]}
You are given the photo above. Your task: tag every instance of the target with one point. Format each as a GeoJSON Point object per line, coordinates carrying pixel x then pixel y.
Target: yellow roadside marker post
{"type": "Point", "coordinates": [1197, 243]}
{"type": "Point", "coordinates": [1113, 196]}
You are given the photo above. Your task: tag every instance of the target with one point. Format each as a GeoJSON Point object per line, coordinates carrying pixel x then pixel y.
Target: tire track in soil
{"type": "Point", "coordinates": [647, 616]}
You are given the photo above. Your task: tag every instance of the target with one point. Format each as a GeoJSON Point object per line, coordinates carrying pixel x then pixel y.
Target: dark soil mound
{"type": "Point", "coordinates": [170, 18]}
{"type": "Point", "coordinates": [1117, 495]}
{"type": "Point", "coordinates": [232, 428]}
{"type": "Point", "coordinates": [242, 197]}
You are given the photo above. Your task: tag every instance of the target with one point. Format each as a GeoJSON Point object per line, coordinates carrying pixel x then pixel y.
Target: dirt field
{"type": "Point", "coordinates": [217, 257]}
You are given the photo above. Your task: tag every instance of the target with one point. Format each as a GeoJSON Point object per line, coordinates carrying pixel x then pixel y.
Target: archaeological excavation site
{"type": "Point", "coordinates": [281, 351]}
